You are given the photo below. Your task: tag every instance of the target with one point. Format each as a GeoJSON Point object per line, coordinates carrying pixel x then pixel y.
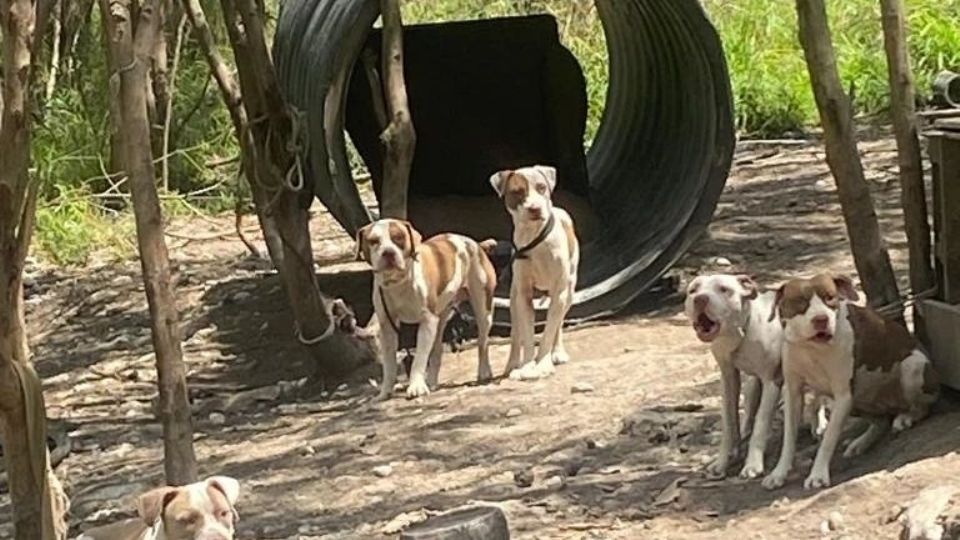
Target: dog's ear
{"type": "Point", "coordinates": [230, 488]}
{"type": "Point", "coordinates": [150, 505]}
{"type": "Point", "coordinates": [415, 239]}
{"type": "Point", "coordinates": [845, 288]}
{"type": "Point", "coordinates": [498, 180]}
{"type": "Point", "coordinates": [550, 174]}
{"type": "Point", "coordinates": [362, 254]}
{"type": "Point", "coordinates": [749, 286]}
{"type": "Point", "coordinates": [227, 485]}
{"type": "Point", "coordinates": [776, 303]}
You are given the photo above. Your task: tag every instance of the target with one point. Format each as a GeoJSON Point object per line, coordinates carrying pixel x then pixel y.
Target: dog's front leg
{"type": "Point", "coordinates": [426, 333]}
{"type": "Point", "coordinates": [436, 352]}
{"type": "Point", "coordinates": [526, 327]}
{"type": "Point", "coordinates": [551, 331]}
{"type": "Point", "coordinates": [792, 410]}
{"type": "Point", "coordinates": [752, 388]}
{"type": "Point", "coordinates": [820, 472]}
{"type": "Point", "coordinates": [761, 430]}
{"type": "Point", "coordinates": [731, 421]}
{"type": "Point", "coordinates": [389, 342]}
{"type": "Point", "coordinates": [517, 321]}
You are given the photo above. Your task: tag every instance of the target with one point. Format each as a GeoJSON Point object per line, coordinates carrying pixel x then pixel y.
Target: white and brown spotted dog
{"type": "Point", "coordinates": [545, 259]}
{"type": "Point", "coordinates": [200, 511]}
{"type": "Point", "coordinates": [420, 282]}
{"type": "Point", "coordinates": [730, 314]}
{"type": "Point", "coordinates": [868, 366]}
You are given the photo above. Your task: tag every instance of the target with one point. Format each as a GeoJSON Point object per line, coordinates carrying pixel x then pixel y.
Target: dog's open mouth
{"type": "Point", "coordinates": [822, 337]}
{"type": "Point", "coordinates": [707, 328]}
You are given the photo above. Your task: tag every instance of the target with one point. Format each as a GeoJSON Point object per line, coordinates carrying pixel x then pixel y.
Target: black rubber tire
{"type": "Point", "coordinates": [477, 523]}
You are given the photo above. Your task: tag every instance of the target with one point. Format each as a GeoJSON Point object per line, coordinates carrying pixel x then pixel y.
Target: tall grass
{"type": "Point", "coordinates": [771, 93]}
{"type": "Point", "coordinates": [771, 87]}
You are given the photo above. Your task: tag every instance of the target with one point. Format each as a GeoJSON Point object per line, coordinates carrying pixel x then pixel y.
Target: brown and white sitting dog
{"type": "Point", "coordinates": [730, 314]}
{"type": "Point", "coordinates": [420, 283]}
{"type": "Point", "coordinates": [199, 511]}
{"type": "Point", "coordinates": [867, 365]}
{"type": "Point", "coordinates": [546, 258]}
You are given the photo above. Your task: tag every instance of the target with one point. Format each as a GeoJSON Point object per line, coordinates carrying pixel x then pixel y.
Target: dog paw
{"type": "Point", "coordinates": [545, 367]}
{"type": "Point", "coordinates": [854, 448]}
{"type": "Point", "coordinates": [775, 479]}
{"type": "Point", "coordinates": [817, 479]}
{"type": "Point", "coordinates": [381, 397]}
{"type": "Point", "coordinates": [527, 372]}
{"type": "Point", "coordinates": [751, 470]}
{"type": "Point", "coordinates": [560, 357]}
{"type": "Point", "coordinates": [902, 422]}
{"type": "Point", "coordinates": [718, 468]}
{"type": "Point", "coordinates": [417, 388]}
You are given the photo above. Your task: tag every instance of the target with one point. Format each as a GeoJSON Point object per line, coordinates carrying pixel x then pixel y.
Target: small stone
{"type": "Point", "coordinates": [595, 444]}
{"type": "Point", "coordinates": [218, 418]}
{"type": "Point", "coordinates": [722, 261]}
{"type": "Point", "coordinates": [514, 412]}
{"type": "Point", "coordinates": [383, 471]}
{"type": "Point", "coordinates": [555, 482]}
{"type": "Point", "coordinates": [582, 388]}
{"type": "Point", "coordinates": [523, 478]}
{"type": "Point", "coordinates": [835, 521]}
{"type": "Point", "coordinates": [342, 387]}
{"type": "Point", "coordinates": [825, 528]}
{"type": "Point", "coordinates": [572, 468]}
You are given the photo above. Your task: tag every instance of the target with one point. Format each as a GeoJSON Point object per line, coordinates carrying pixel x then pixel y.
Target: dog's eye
{"type": "Point", "coordinates": [541, 188]}
{"type": "Point", "coordinates": [223, 515]}
{"type": "Point", "coordinates": [374, 241]}
{"type": "Point", "coordinates": [187, 519]}
{"type": "Point", "coordinates": [724, 290]}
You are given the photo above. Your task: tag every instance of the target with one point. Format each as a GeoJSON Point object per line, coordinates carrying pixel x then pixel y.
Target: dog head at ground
{"type": "Point", "coordinates": [526, 192]}
{"type": "Point", "coordinates": [203, 510]}
{"type": "Point", "coordinates": [808, 308]}
{"type": "Point", "coordinates": [388, 245]}
{"type": "Point", "coordinates": [717, 302]}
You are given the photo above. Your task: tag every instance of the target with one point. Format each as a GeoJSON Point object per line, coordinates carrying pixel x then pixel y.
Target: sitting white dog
{"type": "Point", "coordinates": [729, 313]}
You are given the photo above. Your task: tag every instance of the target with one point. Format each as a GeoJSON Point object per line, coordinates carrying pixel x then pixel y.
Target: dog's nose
{"type": "Point", "coordinates": [820, 322]}
{"type": "Point", "coordinates": [700, 301]}
{"type": "Point", "coordinates": [535, 212]}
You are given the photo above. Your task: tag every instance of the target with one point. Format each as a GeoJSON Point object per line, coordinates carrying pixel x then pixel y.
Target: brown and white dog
{"type": "Point", "coordinates": [420, 283]}
{"type": "Point", "coordinates": [199, 511]}
{"type": "Point", "coordinates": [867, 365]}
{"type": "Point", "coordinates": [546, 258]}
{"type": "Point", "coordinates": [730, 314]}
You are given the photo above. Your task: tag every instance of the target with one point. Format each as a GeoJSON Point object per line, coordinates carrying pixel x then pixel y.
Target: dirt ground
{"type": "Point", "coordinates": [620, 457]}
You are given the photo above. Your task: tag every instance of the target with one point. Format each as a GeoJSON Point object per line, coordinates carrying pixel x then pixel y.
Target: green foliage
{"type": "Point", "coordinates": [771, 92]}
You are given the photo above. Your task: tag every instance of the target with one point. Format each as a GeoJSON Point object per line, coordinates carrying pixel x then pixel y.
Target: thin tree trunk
{"type": "Point", "coordinates": [266, 161]}
{"type": "Point", "coordinates": [55, 47]}
{"type": "Point", "coordinates": [39, 505]}
{"type": "Point", "coordinates": [913, 196]}
{"type": "Point", "coordinates": [168, 109]}
{"type": "Point", "coordinates": [158, 100]}
{"type": "Point", "coordinates": [869, 252]}
{"type": "Point", "coordinates": [132, 49]}
{"type": "Point", "coordinates": [231, 96]}
{"type": "Point", "coordinates": [399, 137]}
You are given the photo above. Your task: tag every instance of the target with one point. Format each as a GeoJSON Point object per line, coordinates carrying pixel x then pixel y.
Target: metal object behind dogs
{"type": "Point", "coordinates": [477, 523]}
{"type": "Point", "coordinates": [655, 170]}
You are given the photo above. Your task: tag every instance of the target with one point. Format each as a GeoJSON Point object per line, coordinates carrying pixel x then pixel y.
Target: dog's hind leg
{"type": "Point", "coordinates": [877, 428]}
{"type": "Point", "coordinates": [753, 467]}
{"type": "Point", "coordinates": [483, 311]}
{"type": "Point", "coordinates": [560, 355]}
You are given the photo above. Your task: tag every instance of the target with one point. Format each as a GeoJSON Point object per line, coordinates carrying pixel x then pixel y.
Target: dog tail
{"type": "Point", "coordinates": [489, 246]}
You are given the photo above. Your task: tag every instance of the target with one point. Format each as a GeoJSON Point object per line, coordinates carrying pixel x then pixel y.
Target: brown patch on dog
{"type": "Point", "coordinates": [438, 256]}
{"type": "Point", "coordinates": [363, 245]}
{"type": "Point", "coordinates": [404, 236]}
{"type": "Point", "coordinates": [515, 190]}
{"type": "Point", "coordinates": [793, 298]}
{"type": "Point", "coordinates": [883, 397]}
{"type": "Point", "coordinates": [878, 343]}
